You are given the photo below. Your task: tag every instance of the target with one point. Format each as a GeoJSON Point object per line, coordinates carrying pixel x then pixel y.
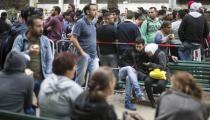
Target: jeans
{"type": "Point", "coordinates": [130, 74]}
{"type": "Point", "coordinates": [186, 51]}
{"type": "Point", "coordinates": [85, 64]}
{"type": "Point", "coordinates": [37, 84]}
{"type": "Point", "coordinates": [111, 61]}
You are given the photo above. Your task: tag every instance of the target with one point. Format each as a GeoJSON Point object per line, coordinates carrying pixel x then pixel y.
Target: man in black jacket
{"type": "Point", "coordinates": [192, 32]}
{"type": "Point", "coordinates": [132, 63]}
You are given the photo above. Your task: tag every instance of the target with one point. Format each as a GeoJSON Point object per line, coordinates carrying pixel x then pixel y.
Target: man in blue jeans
{"type": "Point", "coordinates": [132, 62]}
{"type": "Point", "coordinates": [84, 39]}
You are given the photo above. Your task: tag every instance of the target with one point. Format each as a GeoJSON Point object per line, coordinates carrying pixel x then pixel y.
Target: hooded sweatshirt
{"type": "Point", "coordinates": [16, 87]}
{"type": "Point", "coordinates": [85, 109]}
{"type": "Point", "coordinates": [175, 105]}
{"type": "Point", "coordinates": [56, 97]}
{"type": "Point", "coordinates": [194, 28]}
{"type": "Point", "coordinates": [56, 23]}
{"type": "Point", "coordinates": [149, 29]}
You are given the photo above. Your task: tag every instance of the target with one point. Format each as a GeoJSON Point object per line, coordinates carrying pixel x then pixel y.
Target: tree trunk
{"type": "Point", "coordinates": [112, 4]}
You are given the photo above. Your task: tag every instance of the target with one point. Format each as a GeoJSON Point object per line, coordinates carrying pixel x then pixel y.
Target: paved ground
{"type": "Point", "coordinates": [117, 100]}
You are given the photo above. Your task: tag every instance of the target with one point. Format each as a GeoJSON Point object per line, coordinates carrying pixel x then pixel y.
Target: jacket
{"type": "Point", "coordinates": [159, 60]}
{"type": "Point", "coordinates": [149, 29]}
{"type": "Point", "coordinates": [194, 28]}
{"type": "Point", "coordinates": [57, 96]}
{"type": "Point", "coordinates": [133, 58]}
{"type": "Point", "coordinates": [16, 87]}
{"type": "Point", "coordinates": [85, 109]}
{"type": "Point", "coordinates": [179, 106]}
{"type": "Point", "coordinates": [21, 43]}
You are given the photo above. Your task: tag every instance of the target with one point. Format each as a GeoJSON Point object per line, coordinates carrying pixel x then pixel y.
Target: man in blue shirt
{"type": "Point", "coordinates": [84, 39]}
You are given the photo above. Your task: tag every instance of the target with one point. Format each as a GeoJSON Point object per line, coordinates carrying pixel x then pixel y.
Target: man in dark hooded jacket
{"type": "Point", "coordinates": [16, 87]}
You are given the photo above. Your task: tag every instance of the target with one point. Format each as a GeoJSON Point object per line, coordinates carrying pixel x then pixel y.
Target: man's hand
{"type": "Point", "coordinates": [34, 49]}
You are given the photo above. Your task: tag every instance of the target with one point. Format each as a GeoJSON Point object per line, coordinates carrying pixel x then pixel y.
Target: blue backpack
{"type": "Point", "coordinates": [8, 39]}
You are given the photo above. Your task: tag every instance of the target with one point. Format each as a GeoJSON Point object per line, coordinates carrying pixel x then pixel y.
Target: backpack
{"type": "Point", "coordinates": [8, 39]}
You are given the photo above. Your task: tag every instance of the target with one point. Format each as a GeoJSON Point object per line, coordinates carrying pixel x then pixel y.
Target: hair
{"type": "Point", "coordinates": [73, 6]}
{"type": "Point", "coordinates": [66, 14]}
{"type": "Point", "coordinates": [165, 24]}
{"type": "Point", "coordinates": [181, 13]}
{"type": "Point", "coordinates": [30, 11]}
{"type": "Point", "coordinates": [130, 14]}
{"type": "Point", "coordinates": [4, 14]}
{"type": "Point", "coordinates": [58, 9]}
{"type": "Point", "coordinates": [162, 12]}
{"type": "Point", "coordinates": [139, 40]}
{"type": "Point", "coordinates": [87, 7]}
{"type": "Point", "coordinates": [184, 82]}
{"type": "Point", "coordinates": [63, 61]}
{"type": "Point", "coordinates": [31, 19]}
{"type": "Point", "coordinates": [99, 82]}
{"type": "Point", "coordinates": [153, 8]}
{"type": "Point", "coordinates": [114, 10]}
{"type": "Point", "coordinates": [107, 14]}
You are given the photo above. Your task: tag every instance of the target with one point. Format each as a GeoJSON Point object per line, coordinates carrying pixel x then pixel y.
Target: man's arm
{"type": "Point", "coordinates": [181, 30]}
{"type": "Point", "coordinates": [75, 42]}
{"type": "Point", "coordinates": [144, 30]}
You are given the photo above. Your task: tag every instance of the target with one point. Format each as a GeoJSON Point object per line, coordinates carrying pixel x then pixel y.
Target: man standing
{"type": "Point", "coordinates": [54, 24]}
{"type": "Point", "coordinates": [107, 33]}
{"type": "Point", "coordinates": [192, 32]}
{"type": "Point", "coordinates": [127, 32]}
{"type": "Point", "coordinates": [84, 39]}
{"type": "Point", "coordinates": [38, 48]}
{"type": "Point", "coordinates": [150, 26]}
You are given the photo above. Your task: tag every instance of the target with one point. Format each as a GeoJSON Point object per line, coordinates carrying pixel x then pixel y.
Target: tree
{"type": "Point", "coordinates": [112, 4]}
{"type": "Point", "coordinates": [17, 4]}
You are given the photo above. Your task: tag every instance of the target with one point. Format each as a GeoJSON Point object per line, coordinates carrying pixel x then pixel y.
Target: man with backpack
{"type": "Point", "coordinates": [18, 27]}
{"type": "Point", "coordinates": [150, 26]}
{"type": "Point", "coordinates": [38, 48]}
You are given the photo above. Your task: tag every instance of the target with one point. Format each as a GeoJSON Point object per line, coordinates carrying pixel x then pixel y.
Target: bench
{"type": "Point", "coordinates": [200, 70]}
{"type": "Point", "coordinates": [6, 115]}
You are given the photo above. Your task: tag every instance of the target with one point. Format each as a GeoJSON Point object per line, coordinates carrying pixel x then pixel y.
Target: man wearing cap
{"type": "Point", "coordinates": [192, 32]}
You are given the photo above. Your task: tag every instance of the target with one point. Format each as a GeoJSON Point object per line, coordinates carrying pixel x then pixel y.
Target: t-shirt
{"type": "Point", "coordinates": [107, 33]}
{"type": "Point", "coordinates": [35, 62]}
{"type": "Point", "coordinates": [86, 34]}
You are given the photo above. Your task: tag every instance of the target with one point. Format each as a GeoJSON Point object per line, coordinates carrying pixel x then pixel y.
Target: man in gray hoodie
{"type": "Point", "coordinates": [192, 32]}
{"type": "Point", "coordinates": [16, 87]}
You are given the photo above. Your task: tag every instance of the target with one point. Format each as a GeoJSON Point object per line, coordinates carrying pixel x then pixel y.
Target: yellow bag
{"type": "Point", "coordinates": [158, 74]}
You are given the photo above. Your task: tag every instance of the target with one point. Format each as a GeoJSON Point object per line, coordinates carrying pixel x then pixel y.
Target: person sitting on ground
{"type": "Point", "coordinates": [16, 88]}
{"type": "Point", "coordinates": [58, 92]}
{"type": "Point", "coordinates": [91, 104]}
{"type": "Point", "coordinates": [158, 61]}
{"type": "Point", "coordinates": [182, 101]}
{"type": "Point", "coordinates": [132, 64]}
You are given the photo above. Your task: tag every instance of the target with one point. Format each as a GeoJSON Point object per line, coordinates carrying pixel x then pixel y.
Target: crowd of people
{"type": "Point", "coordinates": [110, 47]}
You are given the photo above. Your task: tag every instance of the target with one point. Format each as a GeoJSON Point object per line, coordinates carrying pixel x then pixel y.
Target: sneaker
{"type": "Point", "coordinates": [130, 106]}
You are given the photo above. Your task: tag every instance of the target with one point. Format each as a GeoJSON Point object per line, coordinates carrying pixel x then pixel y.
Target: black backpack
{"type": "Point", "coordinates": [8, 39]}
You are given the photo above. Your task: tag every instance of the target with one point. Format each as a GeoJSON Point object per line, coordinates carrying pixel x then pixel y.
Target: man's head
{"type": "Point", "coordinates": [195, 6]}
{"type": "Point", "coordinates": [91, 10]}
{"type": "Point", "coordinates": [166, 27]}
{"type": "Point", "coordinates": [67, 16]}
{"type": "Point", "coordinates": [108, 18]}
{"type": "Point", "coordinates": [180, 14]}
{"type": "Point", "coordinates": [139, 18]}
{"type": "Point", "coordinates": [35, 24]}
{"type": "Point", "coordinates": [139, 44]}
{"type": "Point", "coordinates": [30, 11]}
{"type": "Point", "coordinates": [115, 12]}
{"type": "Point", "coordinates": [152, 12]}
{"type": "Point", "coordinates": [55, 11]}
{"type": "Point", "coordinates": [3, 16]}
{"type": "Point", "coordinates": [71, 7]}
{"type": "Point", "coordinates": [130, 14]}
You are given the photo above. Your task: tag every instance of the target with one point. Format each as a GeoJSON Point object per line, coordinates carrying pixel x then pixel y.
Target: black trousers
{"type": "Point", "coordinates": [159, 89]}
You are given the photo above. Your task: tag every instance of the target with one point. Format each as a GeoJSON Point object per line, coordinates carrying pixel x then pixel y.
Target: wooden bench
{"type": "Point", "coordinates": [5, 115]}
{"type": "Point", "coordinates": [200, 70]}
